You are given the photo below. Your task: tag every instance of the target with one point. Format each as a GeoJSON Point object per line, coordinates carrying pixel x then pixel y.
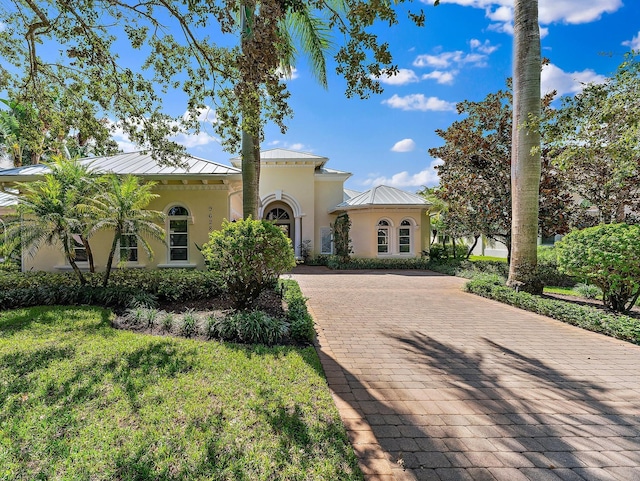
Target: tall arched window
{"type": "Point", "coordinates": [404, 237]}
{"type": "Point", "coordinates": [281, 217]}
{"type": "Point", "coordinates": [383, 237]}
{"type": "Point", "coordinates": [178, 233]}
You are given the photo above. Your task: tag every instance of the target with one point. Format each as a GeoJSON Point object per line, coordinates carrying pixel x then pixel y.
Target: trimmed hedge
{"type": "Point", "coordinates": [590, 318]}
{"type": "Point", "coordinates": [127, 286]}
{"type": "Point", "coordinates": [300, 321]}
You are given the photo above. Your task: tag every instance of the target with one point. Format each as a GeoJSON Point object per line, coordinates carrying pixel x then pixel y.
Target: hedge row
{"type": "Point", "coordinates": [586, 317]}
{"type": "Point", "coordinates": [44, 288]}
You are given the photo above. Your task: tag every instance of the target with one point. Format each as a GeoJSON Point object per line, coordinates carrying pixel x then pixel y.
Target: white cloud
{"type": "Point", "coordinates": [403, 77]}
{"type": "Point", "coordinates": [634, 43]}
{"type": "Point", "coordinates": [419, 102]}
{"type": "Point", "coordinates": [290, 146]}
{"type": "Point", "coordinates": [292, 75]}
{"type": "Point", "coordinates": [205, 114]}
{"type": "Point", "coordinates": [554, 78]}
{"type": "Point", "coordinates": [448, 59]}
{"type": "Point", "coordinates": [427, 177]}
{"type": "Point", "coordinates": [444, 78]}
{"type": "Point", "coordinates": [404, 145]}
{"type": "Point", "coordinates": [485, 47]}
{"type": "Point", "coordinates": [500, 12]}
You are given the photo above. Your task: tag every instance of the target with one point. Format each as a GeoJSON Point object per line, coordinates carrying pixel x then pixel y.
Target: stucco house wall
{"type": "Point", "coordinates": [296, 186]}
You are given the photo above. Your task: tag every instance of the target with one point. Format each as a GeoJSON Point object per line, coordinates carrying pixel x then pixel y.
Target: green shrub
{"type": "Point", "coordinates": [591, 318]}
{"type": "Point", "coordinates": [607, 256]}
{"type": "Point", "coordinates": [254, 327]}
{"type": "Point", "coordinates": [335, 262]}
{"type": "Point", "coordinates": [588, 291]}
{"type": "Point", "coordinates": [300, 321]}
{"type": "Point", "coordinates": [249, 255]}
{"type": "Point", "coordinates": [189, 325]}
{"type": "Point", "coordinates": [166, 321]}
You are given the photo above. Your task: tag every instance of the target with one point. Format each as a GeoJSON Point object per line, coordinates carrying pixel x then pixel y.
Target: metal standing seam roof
{"type": "Point", "coordinates": [7, 199]}
{"type": "Point", "coordinates": [275, 155]}
{"type": "Point", "coordinates": [349, 194]}
{"type": "Point", "coordinates": [136, 163]}
{"type": "Point", "coordinates": [382, 195]}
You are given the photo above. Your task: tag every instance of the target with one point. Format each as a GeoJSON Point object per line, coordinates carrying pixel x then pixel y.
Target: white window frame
{"type": "Point", "coordinates": [79, 247]}
{"type": "Point", "coordinates": [410, 227]}
{"type": "Point", "coordinates": [387, 226]}
{"type": "Point", "coordinates": [128, 262]}
{"type": "Point", "coordinates": [188, 219]}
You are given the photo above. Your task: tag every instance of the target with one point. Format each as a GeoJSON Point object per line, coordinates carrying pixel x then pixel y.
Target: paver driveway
{"type": "Point", "coordinates": [435, 383]}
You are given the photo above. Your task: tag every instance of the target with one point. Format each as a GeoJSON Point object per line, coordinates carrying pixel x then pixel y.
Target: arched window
{"type": "Point", "coordinates": [383, 237]}
{"type": "Point", "coordinates": [404, 237]}
{"type": "Point", "coordinates": [281, 217]}
{"type": "Point", "coordinates": [178, 233]}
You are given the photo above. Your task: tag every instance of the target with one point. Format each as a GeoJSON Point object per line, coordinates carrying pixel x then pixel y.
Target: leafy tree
{"type": "Point", "coordinates": [176, 51]}
{"type": "Point", "coordinates": [122, 208]}
{"type": "Point", "coordinates": [595, 138]}
{"type": "Point", "coordinates": [249, 255]}
{"type": "Point", "coordinates": [608, 256]}
{"type": "Point", "coordinates": [48, 215]}
{"type": "Point", "coordinates": [475, 179]}
{"type": "Point", "coordinates": [342, 240]}
{"type": "Point", "coordinates": [525, 148]}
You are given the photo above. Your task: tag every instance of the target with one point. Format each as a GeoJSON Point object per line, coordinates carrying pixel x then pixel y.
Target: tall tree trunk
{"type": "Point", "coordinates": [525, 150]}
{"type": "Point", "coordinates": [250, 130]}
{"type": "Point", "coordinates": [250, 175]}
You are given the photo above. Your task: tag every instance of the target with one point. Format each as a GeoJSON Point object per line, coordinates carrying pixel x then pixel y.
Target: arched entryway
{"type": "Point", "coordinates": [281, 215]}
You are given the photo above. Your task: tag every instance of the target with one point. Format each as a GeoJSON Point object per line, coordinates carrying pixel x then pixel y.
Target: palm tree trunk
{"type": "Point", "coordinates": [525, 150]}
{"type": "Point", "coordinates": [250, 175]}
{"type": "Point", "coordinates": [87, 248]}
{"type": "Point", "coordinates": [112, 253]}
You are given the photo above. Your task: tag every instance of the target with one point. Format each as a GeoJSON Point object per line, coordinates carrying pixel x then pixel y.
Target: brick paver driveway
{"type": "Point", "coordinates": [435, 383]}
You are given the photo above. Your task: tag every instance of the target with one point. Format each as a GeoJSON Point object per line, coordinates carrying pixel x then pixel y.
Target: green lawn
{"type": "Point", "coordinates": [567, 291]}
{"type": "Point", "coordinates": [81, 400]}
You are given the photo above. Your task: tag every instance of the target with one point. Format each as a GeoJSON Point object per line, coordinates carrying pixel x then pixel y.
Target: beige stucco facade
{"type": "Point", "coordinates": [297, 192]}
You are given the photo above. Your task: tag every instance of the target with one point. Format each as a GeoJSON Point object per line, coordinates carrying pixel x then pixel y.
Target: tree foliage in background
{"type": "Point", "coordinates": [475, 179]}
{"type": "Point", "coordinates": [607, 255]}
{"type": "Point", "coordinates": [595, 139]}
{"type": "Point", "coordinates": [121, 74]}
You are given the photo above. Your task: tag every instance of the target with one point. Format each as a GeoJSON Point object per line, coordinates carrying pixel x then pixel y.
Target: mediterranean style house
{"type": "Point", "coordinates": [297, 191]}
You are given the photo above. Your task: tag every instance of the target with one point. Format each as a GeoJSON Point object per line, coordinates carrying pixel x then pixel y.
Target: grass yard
{"type": "Point", "coordinates": [81, 400]}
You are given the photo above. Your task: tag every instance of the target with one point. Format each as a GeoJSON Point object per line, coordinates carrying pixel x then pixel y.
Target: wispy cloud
{"type": "Point", "coordinates": [500, 12]}
{"type": "Point", "coordinates": [419, 102]}
{"type": "Point", "coordinates": [403, 77]}
{"type": "Point", "coordinates": [289, 145]}
{"type": "Point", "coordinates": [634, 43]}
{"type": "Point", "coordinates": [404, 145]}
{"type": "Point", "coordinates": [427, 177]}
{"type": "Point", "coordinates": [554, 78]}
{"type": "Point", "coordinates": [443, 78]}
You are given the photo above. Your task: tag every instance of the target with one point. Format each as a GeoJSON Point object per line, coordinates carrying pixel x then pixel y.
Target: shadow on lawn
{"type": "Point", "coordinates": [75, 318]}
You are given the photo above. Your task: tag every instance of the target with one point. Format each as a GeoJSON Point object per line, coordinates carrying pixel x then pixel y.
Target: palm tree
{"type": "Point", "coordinates": [47, 215]}
{"type": "Point", "coordinates": [296, 22]}
{"type": "Point", "coordinates": [77, 177]}
{"type": "Point", "coordinates": [525, 150]}
{"type": "Point", "coordinates": [122, 207]}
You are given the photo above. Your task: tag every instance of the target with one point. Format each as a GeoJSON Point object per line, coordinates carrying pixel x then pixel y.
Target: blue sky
{"type": "Point", "coordinates": [463, 52]}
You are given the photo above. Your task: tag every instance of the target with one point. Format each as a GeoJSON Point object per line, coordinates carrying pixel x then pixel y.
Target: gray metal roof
{"type": "Point", "coordinates": [382, 196]}
{"type": "Point", "coordinates": [7, 199]}
{"type": "Point", "coordinates": [285, 155]}
{"type": "Point", "coordinates": [137, 163]}
{"type": "Point", "coordinates": [350, 193]}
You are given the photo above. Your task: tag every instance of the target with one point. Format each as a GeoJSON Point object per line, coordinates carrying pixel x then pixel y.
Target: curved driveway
{"type": "Point", "coordinates": [435, 383]}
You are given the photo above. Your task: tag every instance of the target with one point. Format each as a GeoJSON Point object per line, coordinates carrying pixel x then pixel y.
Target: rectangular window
{"type": "Point", "coordinates": [326, 240]}
{"type": "Point", "coordinates": [404, 239]}
{"type": "Point", "coordinates": [79, 250]}
{"type": "Point", "coordinates": [128, 248]}
{"type": "Point", "coordinates": [383, 240]}
{"type": "Point", "coordinates": [178, 247]}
